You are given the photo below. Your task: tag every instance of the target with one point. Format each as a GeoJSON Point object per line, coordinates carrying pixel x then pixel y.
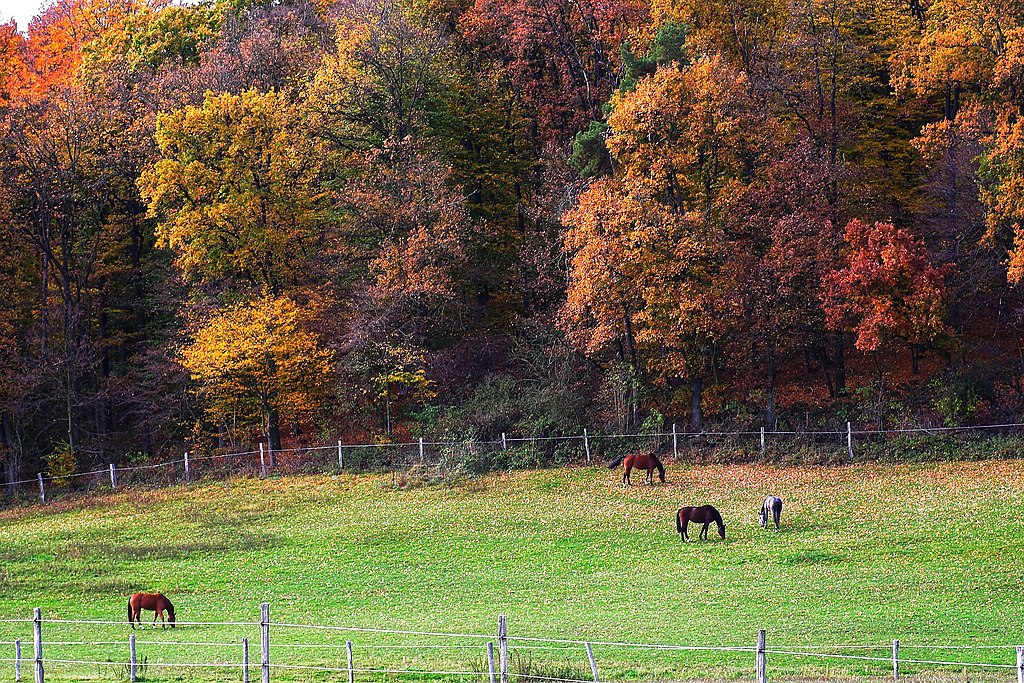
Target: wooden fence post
{"type": "Point", "coordinates": [675, 442]}
{"type": "Point", "coordinates": [503, 647]}
{"type": "Point", "coordinates": [1020, 664]}
{"type": "Point", "coordinates": [245, 660]}
{"type": "Point", "coordinates": [113, 476]}
{"type": "Point", "coordinates": [42, 490]}
{"type": "Point", "coordinates": [490, 660]}
{"type": "Point", "coordinates": [263, 462]}
{"type": "Point", "coordinates": [849, 440]}
{"type": "Point", "coordinates": [586, 444]}
{"type": "Point", "coordinates": [341, 457]}
{"type": "Point", "coordinates": [265, 636]}
{"type": "Point", "coordinates": [351, 671]}
{"type": "Point", "coordinates": [762, 659]}
{"type": "Point", "coordinates": [37, 636]}
{"type": "Point", "coordinates": [593, 663]}
{"type": "Point", "coordinates": [17, 660]}
{"type": "Point", "coordinates": [762, 440]}
{"type": "Point", "coordinates": [132, 659]}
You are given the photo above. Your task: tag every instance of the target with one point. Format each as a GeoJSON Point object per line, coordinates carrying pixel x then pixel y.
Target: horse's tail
{"type": "Point", "coordinates": [616, 462]}
{"type": "Point", "coordinates": [679, 523]}
{"type": "Point", "coordinates": [130, 611]}
{"type": "Point", "coordinates": [661, 468]}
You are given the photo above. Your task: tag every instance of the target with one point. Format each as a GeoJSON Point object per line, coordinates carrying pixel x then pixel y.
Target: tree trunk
{"type": "Point", "coordinates": [10, 454]}
{"type": "Point", "coordinates": [839, 360]}
{"type": "Point", "coordinates": [273, 435]}
{"type": "Point", "coordinates": [769, 407]}
{"type": "Point", "coordinates": [696, 417]}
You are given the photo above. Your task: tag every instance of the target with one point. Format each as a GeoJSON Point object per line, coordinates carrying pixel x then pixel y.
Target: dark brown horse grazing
{"type": "Point", "coordinates": [154, 601]}
{"type": "Point", "coordinates": [702, 515]}
{"type": "Point", "coordinates": [643, 461]}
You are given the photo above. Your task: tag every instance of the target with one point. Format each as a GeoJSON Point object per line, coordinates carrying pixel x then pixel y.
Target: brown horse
{"type": "Point", "coordinates": [702, 515]}
{"type": "Point", "coordinates": [154, 601]}
{"type": "Point", "coordinates": [643, 461]}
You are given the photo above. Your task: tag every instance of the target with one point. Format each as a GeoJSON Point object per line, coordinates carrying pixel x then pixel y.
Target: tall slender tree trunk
{"type": "Point", "coordinates": [696, 416]}
{"type": "Point", "coordinates": [273, 434]}
{"type": "Point", "coordinates": [839, 362]}
{"type": "Point", "coordinates": [11, 454]}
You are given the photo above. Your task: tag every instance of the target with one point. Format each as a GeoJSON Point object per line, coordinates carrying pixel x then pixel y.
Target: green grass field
{"type": "Point", "coordinates": [930, 554]}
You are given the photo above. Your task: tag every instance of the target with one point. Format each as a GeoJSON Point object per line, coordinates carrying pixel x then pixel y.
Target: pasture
{"type": "Point", "coordinates": [930, 554]}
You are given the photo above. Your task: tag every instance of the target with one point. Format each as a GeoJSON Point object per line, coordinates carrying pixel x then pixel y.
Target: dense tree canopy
{"type": "Point", "coordinates": [238, 220]}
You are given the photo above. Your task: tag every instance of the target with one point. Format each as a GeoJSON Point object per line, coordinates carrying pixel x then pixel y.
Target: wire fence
{"type": "Point", "coordinates": [483, 454]}
{"type": "Point", "coordinates": [289, 651]}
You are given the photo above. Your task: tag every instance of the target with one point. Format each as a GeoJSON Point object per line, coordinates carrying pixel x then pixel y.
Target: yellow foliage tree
{"type": "Point", "coordinates": [238, 189]}
{"type": "Point", "coordinates": [258, 358]}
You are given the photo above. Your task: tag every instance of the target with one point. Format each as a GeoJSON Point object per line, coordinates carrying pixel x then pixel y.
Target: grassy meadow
{"type": "Point", "coordinates": [930, 554]}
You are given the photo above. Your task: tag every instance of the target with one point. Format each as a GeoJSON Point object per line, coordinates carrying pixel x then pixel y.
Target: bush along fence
{"type": "Point", "coordinates": [122, 656]}
{"type": "Point", "coordinates": [587, 447]}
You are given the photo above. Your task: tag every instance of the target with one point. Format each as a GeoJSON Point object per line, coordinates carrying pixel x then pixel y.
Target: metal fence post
{"type": "Point", "coordinates": [593, 663]}
{"type": "Point", "coordinates": [17, 660]}
{"type": "Point", "coordinates": [113, 476]}
{"type": "Point", "coordinates": [586, 444]}
{"type": "Point", "coordinates": [762, 440]}
{"type": "Point", "coordinates": [503, 647]}
{"type": "Point", "coordinates": [351, 671]}
{"type": "Point", "coordinates": [37, 635]}
{"type": "Point", "coordinates": [421, 450]}
{"type": "Point", "coordinates": [1020, 664]}
{"type": "Point", "coordinates": [188, 473]}
{"type": "Point", "coordinates": [42, 490]}
{"type": "Point", "coordinates": [675, 442]}
{"type": "Point", "coordinates": [341, 457]}
{"type": "Point", "coordinates": [895, 660]}
{"type": "Point", "coordinates": [490, 660]}
{"type": "Point", "coordinates": [263, 462]}
{"type": "Point", "coordinates": [265, 636]}
{"type": "Point", "coordinates": [504, 445]}
{"type": "Point", "coordinates": [762, 660]}
{"type": "Point", "coordinates": [245, 660]}
{"type": "Point", "coordinates": [132, 660]}
{"type": "Point", "coordinates": [849, 440]}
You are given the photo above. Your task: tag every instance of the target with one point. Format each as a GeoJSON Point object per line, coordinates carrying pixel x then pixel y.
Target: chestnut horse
{"type": "Point", "coordinates": [154, 601]}
{"type": "Point", "coordinates": [641, 461]}
{"type": "Point", "coordinates": [702, 515]}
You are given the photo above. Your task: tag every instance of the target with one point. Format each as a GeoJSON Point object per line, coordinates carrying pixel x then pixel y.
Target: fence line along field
{"type": "Point", "coordinates": [929, 554]}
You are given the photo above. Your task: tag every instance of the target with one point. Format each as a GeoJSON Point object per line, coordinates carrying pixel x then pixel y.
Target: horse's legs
{"type": "Point", "coordinates": [626, 479]}
{"type": "Point", "coordinates": [682, 532]}
{"type": "Point", "coordinates": [704, 531]}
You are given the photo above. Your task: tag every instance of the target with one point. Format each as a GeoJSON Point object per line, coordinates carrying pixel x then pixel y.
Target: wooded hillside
{"type": "Point", "coordinates": [297, 220]}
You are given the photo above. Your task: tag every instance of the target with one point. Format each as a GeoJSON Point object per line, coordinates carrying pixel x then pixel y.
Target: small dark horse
{"type": "Point", "coordinates": [154, 601]}
{"type": "Point", "coordinates": [641, 461]}
{"type": "Point", "coordinates": [772, 506]}
{"type": "Point", "coordinates": [702, 515]}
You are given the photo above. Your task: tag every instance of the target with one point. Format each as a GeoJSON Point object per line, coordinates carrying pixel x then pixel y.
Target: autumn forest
{"type": "Point", "coordinates": [299, 220]}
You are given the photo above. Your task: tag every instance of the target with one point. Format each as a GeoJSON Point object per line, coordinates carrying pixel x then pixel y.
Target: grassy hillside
{"type": "Point", "coordinates": [930, 554]}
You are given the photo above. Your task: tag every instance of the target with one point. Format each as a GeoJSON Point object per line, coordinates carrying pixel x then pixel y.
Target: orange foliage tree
{"type": "Point", "coordinates": [652, 267]}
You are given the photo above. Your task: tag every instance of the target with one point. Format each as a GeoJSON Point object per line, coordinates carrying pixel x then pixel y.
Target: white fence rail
{"type": "Point", "coordinates": [123, 653]}
{"type": "Point", "coordinates": [266, 459]}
